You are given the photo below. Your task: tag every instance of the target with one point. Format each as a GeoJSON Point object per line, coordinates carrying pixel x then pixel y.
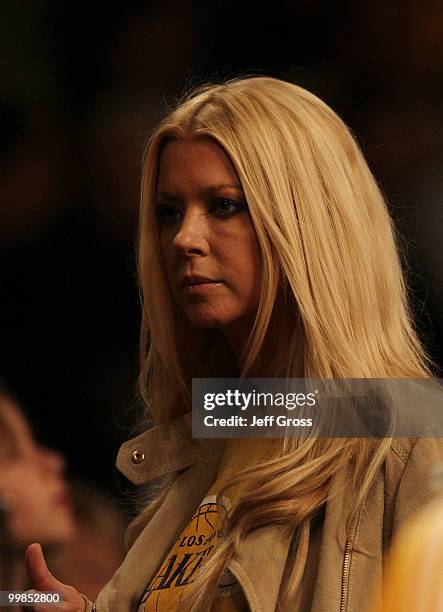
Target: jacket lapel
{"type": "Point", "coordinates": [164, 449]}
{"type": "Point", "coordinates": [158, 536]}
{"type": "Point", "coordinates": [259, 566]}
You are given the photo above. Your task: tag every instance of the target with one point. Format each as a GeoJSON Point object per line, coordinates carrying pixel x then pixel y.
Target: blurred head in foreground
{"type": "Point", "coordinates": [34, 496]}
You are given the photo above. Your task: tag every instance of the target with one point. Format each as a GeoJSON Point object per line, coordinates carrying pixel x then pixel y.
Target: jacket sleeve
{"type": "Point", "coordinates": [415, 488]}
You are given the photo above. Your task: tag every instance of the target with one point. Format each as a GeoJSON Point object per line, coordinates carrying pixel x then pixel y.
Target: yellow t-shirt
{"type": "Point", "coordinates": [201, 536]}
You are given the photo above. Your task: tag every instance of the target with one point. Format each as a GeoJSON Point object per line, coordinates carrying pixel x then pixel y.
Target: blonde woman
{"type": "Point", "coordinates": [266, 250]}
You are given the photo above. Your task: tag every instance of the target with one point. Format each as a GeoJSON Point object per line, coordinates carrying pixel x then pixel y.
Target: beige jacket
{"type": "Point", "coordinates": [347, 570]}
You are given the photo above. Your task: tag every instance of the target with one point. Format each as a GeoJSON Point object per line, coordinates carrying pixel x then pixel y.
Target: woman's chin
{"type": "Point", "coordinates": [204, 319]}
{"type": "Point", "coordinates": [204, 323]}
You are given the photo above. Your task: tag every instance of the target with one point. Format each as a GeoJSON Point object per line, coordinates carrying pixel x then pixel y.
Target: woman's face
{"type": "Point", "coordinates": [207, 239]}
{"type": "Point", "coordinates": [32, 484]}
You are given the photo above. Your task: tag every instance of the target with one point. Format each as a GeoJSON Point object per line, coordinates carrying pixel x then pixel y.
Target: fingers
{"type": "Point", "coordinates": [39, 575]}
{"type": "Point", "coordinates": [42, 580]}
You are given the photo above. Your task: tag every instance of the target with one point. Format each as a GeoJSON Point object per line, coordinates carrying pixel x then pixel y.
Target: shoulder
{"type": "Point", "coordinates": [409, 470]}
{"type": "Point", "coordinates": [418, 426]}
{"type": "Point", "coordinates": [420, 450]}
{"type": "Point", "coordinates": [413, 458]}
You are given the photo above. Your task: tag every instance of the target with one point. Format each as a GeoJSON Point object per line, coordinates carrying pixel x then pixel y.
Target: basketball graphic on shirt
{"type": "Point", "coordinates": [195, 544]}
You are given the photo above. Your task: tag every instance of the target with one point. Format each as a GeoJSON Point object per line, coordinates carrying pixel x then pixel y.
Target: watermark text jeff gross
{"type": "Point", "coordinates": [243, 401]}
{"type": "Point", "coordinates": [266, 421]}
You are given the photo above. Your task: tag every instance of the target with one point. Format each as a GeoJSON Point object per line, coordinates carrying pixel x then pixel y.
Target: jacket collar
{"type": "Point", "coordinates": [170, 447]}
{"type": "Point", "coordinates": [164, 449]}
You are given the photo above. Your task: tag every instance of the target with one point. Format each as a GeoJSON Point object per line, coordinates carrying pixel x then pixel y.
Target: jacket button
{"type": "Point", "coordinates": [137, 457]}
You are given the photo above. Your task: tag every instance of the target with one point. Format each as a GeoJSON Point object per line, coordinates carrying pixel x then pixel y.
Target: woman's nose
{"type": "Point", "coordinates": [192, 235]}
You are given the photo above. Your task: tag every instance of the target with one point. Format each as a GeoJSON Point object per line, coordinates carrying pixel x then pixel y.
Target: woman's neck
{"type": "Point", "coordinates": [272, 358]}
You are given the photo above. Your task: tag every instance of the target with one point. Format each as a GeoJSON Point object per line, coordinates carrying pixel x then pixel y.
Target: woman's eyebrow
{"type": "Point", "coordinates": [167, 196]}
{"type": "Point", "coordinates": [203, 192]}
{"type": "Point", "coordinates": [220, 186]}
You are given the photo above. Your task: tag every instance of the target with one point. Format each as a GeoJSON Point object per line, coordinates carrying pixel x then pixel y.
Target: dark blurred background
{"type": "Point", "coordinates": [81, 86]}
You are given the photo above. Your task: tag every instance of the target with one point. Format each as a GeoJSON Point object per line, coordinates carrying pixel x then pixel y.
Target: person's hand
{"type": "Point", "coordinates": [42, 580]}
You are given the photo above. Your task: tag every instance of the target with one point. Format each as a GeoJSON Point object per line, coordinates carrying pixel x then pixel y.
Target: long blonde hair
{"type": "Point", "coordinates": [333, 293]}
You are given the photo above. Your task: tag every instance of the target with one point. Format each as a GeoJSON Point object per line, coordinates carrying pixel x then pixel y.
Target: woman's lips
{"type": "Point", "coordinates": [201, 287]}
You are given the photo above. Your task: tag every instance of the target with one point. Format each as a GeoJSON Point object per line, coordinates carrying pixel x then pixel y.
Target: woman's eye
{"type": "Point", "coordinates": [167, 215]}
{"type": "Point", "coordinates": [223, 207]}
